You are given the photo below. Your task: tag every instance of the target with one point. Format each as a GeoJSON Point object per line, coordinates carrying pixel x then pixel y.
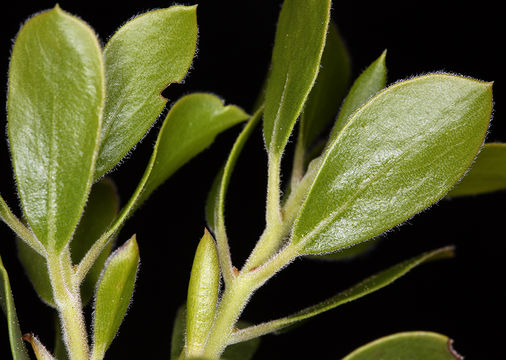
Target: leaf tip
{"type": "Point", "coordinates": [452, 351]}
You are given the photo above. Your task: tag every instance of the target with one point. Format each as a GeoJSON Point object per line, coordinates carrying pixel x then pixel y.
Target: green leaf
{"type": "Point", "coordinates": [142, 58]}
{"type": "Point", "coordinates": [365, 287]}
{"type": "Point", "coordinates": [298, 48]}
{"type": "Point", "coordinates": [55, 100]}
{"type": "Point", "coordinates": [203, 292]}
{"type": "Point", "coordinates": [329, 90]}
{"type": "Point", "coordinates": [215, 205]}
{"type": "Point", "coordinates": [178, 333]}
{"type": "Point", "coordinates": [113, 295]}
{"type": "Point", "coordinates": [36, 270]}
{"type": "Point", "coordinates": [241, 351]}
{"type": "Point", "coordinates": [413, 345]}
{"type": "Point", "coordinates": [487, 174]}
{"type": "Point", "coordinates": [400, 153]}
{"type": "Point", "coordinates": [18, 349]}
{"type": "Point", "coordinates": [371, 81]}
{"type": "Point", "coordinates": [101, 209]}
{"type": "Point", "coordinates": [348, 253]}
{"type": "Point", "coordinates": [189, 128]}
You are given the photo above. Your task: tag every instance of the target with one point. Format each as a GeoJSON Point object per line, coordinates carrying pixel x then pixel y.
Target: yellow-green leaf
{"type": "Point", "coordinates": [413, 345]}
{"type": "Point", "coordinates": [487, 174]}
{"type": "Point", "coordinates": [113, 295]}
{"type": "Point", "coordinates": [55, 100]}
{"type": "Point", "coordinates": [328, 91]}
{"type": "Point", "coordinates": [398, 154]}
{"type": "Point", "coordinates": [203, 292]}
{"type": "Point", "coordinates": [142, 58]}
{"type": "Point", "coordinates": [371, 81]}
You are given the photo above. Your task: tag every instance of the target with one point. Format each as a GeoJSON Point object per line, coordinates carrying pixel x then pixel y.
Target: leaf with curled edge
{"type": "Point", "coordinates": [142, 58]}
{"type": "Point", "coordinates": [412, 345]}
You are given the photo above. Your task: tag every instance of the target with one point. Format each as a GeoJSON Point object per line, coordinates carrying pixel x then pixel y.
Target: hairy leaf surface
{"type": "Point", "coordinates": [413, 345]}
{"type": "Point", "coordinates": [55, 101]}
{"type": "Point", "coordinates": [113, 295]}
{"type": "Point", "coordinates": [298, 48]}
{"type": "Point", "coordinates": [142, 58]}
{"type": "Point", "coordinates": [400, 153]}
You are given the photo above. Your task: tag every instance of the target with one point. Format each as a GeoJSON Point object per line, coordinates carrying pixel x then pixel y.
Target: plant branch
{"type": "Point", "coordinates": [236, 297]}
{"type": "Point", "coordinates": [68, 302]}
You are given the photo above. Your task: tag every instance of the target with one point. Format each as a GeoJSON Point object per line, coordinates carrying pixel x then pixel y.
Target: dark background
{"type": "Point", "coordinates": [462, 297]}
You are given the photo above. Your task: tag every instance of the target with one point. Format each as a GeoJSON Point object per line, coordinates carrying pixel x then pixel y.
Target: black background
{"type": "Point", "coordinates": [462, 297]}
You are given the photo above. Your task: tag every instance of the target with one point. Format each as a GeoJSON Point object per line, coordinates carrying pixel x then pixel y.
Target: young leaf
{"type": "Point", "coordinates": [365, 287]}
{"type": "Point", "coordinates": [142, 58]}
{"type": "Point", "coordinates": [113, 295]}
{"type": "Point", "coordinates": [413, 345]}
{"type": "Point", "coordinates": [488, 173]}
{"type": "Point", "coordinates": [202, 295]}
{"type": "Point", "coordinates": [55, 100]}
{"type": "Point", "coordinates": [18, 349]}
{"type": "Point", "coordinates": [101, 209]}
{"type": "Point", "coordinates": [370, 82]}
{"type": "Point", "coordinates": [397, 155]}
{"type": "Point", "coordinates": [40, 351]}
{"type": "Point", "coordinates": [241, 351]}
{"type": "Point", "coordinates": [298, 47]}
{"type": "Point", "coordinates": [329, 90]}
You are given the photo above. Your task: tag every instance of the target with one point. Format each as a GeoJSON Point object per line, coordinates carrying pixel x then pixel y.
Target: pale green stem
{"type": "Point", "coordinates": [235, 298]}
{"type": "Point", "coordinates": [298, 163]}
{"type": "Point", "coordinates": [68, 302]}
{"type": "Point", "coordinates": [21, 230]}
{"type": "Point", "coordinates": [224, 254]}
{"type": "Point", "coordinates": [270, 241]}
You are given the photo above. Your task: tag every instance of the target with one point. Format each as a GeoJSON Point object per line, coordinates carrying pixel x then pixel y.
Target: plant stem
{"type": "Point", "coordinates": [236, 297]}
{"type": "Point", "coordinates": [270, 240]}
{"type": "Point", "coordinates": [298, 163]}
{"type": "Point", "coordinates": [68, 302]}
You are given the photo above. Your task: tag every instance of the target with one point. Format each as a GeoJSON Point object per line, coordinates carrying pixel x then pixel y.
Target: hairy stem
{"type": "Point", "coordinates": [270, 240]}
{"type": "Point", "coordinates": [68, 302]}
{"type": "Point", "coordinates": [236, 297]}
